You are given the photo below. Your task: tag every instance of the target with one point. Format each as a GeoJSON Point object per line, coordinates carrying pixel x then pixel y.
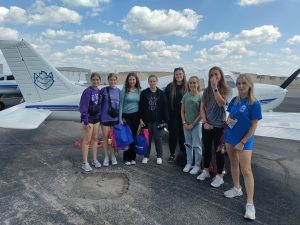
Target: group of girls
{"type": "Point", "coordinates": [195, 118]}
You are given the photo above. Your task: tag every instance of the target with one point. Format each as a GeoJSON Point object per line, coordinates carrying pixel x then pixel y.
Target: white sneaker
{"type": "Point", "coordinates": [250, 212]}
{"type": "Point", "coordinates": [145, 160]}
{"type": "Point", "coordinates": [86, 167]}
{"type": "Point", "coordinates": [187, 168]}
{"type": "Point", "coordinates": [96, 163]}
{"type": "Point", "coordinates": [106, 161]}
{"type": "Point", "coordinates": [114, 160]}
{"type": "Point", "coordinates": [159, 161]}
{"type": "Point", "coordinates": [203, 175]}
{"type": "Point", "coordinates": [127, 163]}
{"type": "Point", "coordinates": [217, 182]}
{"type": "Point", "coordinates": [133, 162]}
{"type": "Point", "coordinates": [233, 192]}
{"type": "Point", "coordinates": [195, 170]}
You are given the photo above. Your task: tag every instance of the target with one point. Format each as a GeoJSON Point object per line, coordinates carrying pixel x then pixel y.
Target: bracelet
{"type": "Point", "coordinates": [183, 122]}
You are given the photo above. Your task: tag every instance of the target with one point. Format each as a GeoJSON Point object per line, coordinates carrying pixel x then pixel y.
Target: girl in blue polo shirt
{"type": "Point", "coordinates": [244, 113]}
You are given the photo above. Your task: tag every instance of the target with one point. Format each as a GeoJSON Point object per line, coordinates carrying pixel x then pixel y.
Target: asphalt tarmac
{"type": "Point", "coordinates": [41, 183]}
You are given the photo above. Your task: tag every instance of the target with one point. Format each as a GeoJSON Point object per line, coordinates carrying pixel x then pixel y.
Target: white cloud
{"type": "Point", "coordinates": [266, 34]}
{"type": "Point", "coordinates": [143, 21]}
{"type": "Point", "coordinates": [160, 49]}
{"type": "Point", "coordinates": [8, 34]}
{"type": "Point", "coordinates": [294, 40]}
{"type": "Point", "coordinates": [81, 50]}
{"type": "Point", "coordinates": [50, 33]}
{"type": "Point", "coordinates": [220, 36]}
{"type": "Point", "coordinates": [85, 3]}
{"type": "Point", "coordinates": [39, 14]}
{"type": "Point", "coordinates": [106, 39]}
{"type": "Point", "coordinates": [286, 51]}
{"type": "Point", "coordinates": [252, 2]}
{"type": "Point", "coordinates": [120, 54]}
{"type": "Point", "coordinates": [13, 14]}
{"type": "Point", "coordinates": [239, 44]}
{"type": "Point", "coordinates": [58, 54]}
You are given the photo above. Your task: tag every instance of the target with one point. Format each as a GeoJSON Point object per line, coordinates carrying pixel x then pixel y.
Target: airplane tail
{"type": "Point", "coordinates": [37, 79]}
{"type": "Point", "coordinates": [290, 79]}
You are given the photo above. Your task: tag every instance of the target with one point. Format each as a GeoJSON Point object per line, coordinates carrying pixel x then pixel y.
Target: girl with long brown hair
{"type": "Point", "coordinates": [213, 120]}
{"type": "Point", "coordinates": [129, 107]}
{"type": "Point", "coordinates": [174, 93]}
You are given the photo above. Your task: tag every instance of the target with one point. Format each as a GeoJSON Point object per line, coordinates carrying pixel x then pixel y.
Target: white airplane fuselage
{"type": "Point", "coordinates": [66, 108]}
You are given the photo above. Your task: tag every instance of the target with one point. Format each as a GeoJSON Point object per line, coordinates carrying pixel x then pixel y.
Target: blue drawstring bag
{"type": "Point", "coordinates": [141, 145]}
{"type": "Point", "coordinates": [123, 135]}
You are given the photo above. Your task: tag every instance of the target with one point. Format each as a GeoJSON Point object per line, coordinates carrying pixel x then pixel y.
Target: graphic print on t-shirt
{"type": "Point", "coordinates": [152, 102]}
{"type": "Point", "coordinates": [95, 98]}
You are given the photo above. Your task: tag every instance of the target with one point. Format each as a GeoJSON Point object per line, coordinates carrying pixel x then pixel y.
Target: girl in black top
{"type": "Point", "coordinates": [153, 113]}
{"type": "Point", "coordinates": [174, 92]}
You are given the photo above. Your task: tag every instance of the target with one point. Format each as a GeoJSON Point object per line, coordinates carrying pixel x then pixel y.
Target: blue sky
{"type": "Point", "coordinates": [256, 36]}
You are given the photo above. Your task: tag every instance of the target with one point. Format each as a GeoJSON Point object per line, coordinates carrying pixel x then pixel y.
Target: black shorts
{"type": "Point", "coordinates": [110, 124]}
{"type": "Point", "coordinates": [94, 120]}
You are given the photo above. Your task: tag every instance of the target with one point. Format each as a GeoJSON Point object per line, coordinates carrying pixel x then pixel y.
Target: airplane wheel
{"type": "Point", "coordinates": [2, 106]}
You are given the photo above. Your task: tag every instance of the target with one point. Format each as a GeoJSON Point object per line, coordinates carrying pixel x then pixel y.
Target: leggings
{"type": "Point", "coordinates": [211, 141]}
{"type": "Point", "coordinates": [132, 120]}
{"type": "Point", "coordinates": [175, 135]}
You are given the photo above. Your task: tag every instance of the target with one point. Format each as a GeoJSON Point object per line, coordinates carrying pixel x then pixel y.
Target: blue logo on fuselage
{"type": "Point", "coordinates": [43, 80]}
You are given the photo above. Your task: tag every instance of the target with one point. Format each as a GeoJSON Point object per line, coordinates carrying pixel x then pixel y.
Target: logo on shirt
{"type": "Point", "coordinates": [43, 80]}
{"type": "Point", "coordinates": [243, 108]}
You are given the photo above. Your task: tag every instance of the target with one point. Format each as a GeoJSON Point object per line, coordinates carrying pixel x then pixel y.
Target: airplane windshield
{"type": "Point", "coordinates": [230, 81]}
{"type": "Point", "coordinates": [10, 77]}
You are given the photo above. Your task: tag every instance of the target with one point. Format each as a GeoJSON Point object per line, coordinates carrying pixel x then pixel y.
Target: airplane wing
{"type": "Point", "coordinates": [19, 117]}
{"type": "Point", "coordinates": [279, 125]}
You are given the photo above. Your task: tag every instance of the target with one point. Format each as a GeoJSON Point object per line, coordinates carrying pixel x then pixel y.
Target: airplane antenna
{"type": "Point", "coordinates": [290, 79]}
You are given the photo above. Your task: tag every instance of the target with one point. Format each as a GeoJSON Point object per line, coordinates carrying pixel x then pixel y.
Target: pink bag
{"type": "Point", "coordinates": [145, 133]}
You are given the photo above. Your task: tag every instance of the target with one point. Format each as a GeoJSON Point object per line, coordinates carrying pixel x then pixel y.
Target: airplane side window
{"type": "Point", "coordinates": [10, 77]}
{"type": "Point", "coordinates": [1, 78]}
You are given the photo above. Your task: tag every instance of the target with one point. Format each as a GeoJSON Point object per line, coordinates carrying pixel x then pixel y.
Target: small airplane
{"type": "Point", "coordinates": [8, 85]}
{"type": "Point", "coordinates": [49, 95]}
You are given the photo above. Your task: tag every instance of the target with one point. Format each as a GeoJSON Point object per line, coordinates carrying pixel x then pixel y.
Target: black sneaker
{"type": "Point", "coordinates": [171, 159]}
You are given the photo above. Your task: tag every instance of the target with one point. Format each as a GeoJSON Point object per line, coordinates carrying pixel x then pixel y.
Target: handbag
{"type": "Point", "coordinates": [141, 145]}
{"type": "Point", "coordinates": [111, 111]}
{"type": "Point", "coordinates": [114, 144]}
{"type": "Point", "coordinates": [123, 135]}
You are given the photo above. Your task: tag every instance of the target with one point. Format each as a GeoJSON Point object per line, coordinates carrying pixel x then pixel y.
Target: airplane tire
{"type": "Point", "coordinates": [2, 106]}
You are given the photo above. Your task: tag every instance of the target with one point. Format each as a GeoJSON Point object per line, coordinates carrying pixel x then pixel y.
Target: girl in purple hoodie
{"type": "Point", "coordinates": [109, 116]}
{"type": "Point", "coordinates": [89, 107]}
